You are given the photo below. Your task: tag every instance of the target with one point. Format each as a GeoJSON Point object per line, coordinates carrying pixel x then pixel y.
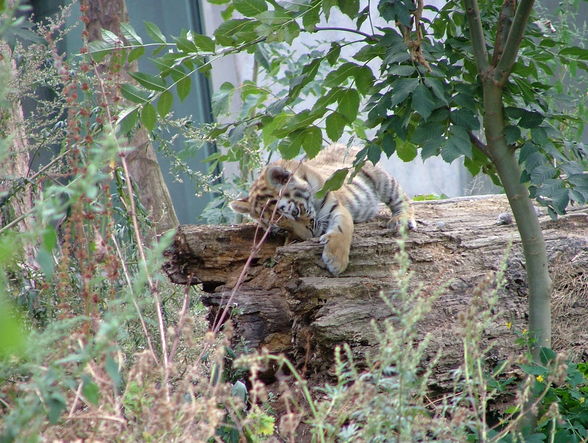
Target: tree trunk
{"type": "Point", "coordinates": [143, 165]}
{"type": "Point", "coordinates": [16, 195]}
{"type": "Point", "coordinates": [290, 303]}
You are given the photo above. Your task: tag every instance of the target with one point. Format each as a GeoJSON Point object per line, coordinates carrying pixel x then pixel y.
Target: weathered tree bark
{"type": "Point", "coordinates": [143, 165]}
{"type": "Point", "coordinates": [290, 303]}
{"type": "Point", "coordinates": [16, 194]}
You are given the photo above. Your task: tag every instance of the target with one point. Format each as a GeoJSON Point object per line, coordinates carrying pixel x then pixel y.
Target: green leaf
{"type": "Point", "coordinates": [49, 237]}
{"type": "Point", "coordinates": [575, 51]}
{"type": "Point", "coordinates": [547, 355]}
{"type": "Point", "coordinates": [542, 173]}
{"type": "Point", "coordinates": [539, 136]}
{"type": "Point", "coordinates": [389, 144]}
{"type": "Point", "coordinates": [405, 150]}
{"type": "Point", "coordinates": [130, 34]}
{"type": "Point", "coordinates": [127, 119]}
{"type": "Point", "coordinates": [90, 390]}
{"type": "Point", "coordinates": [46, 262]}
{"type": "Point", "coordinates": [349, 105]}
{"type": "Point", "coordinates": [112, 369]}
{"type": "Point", "coordinates": [99, 49]}
{"type": "Point", "coordinates": [580, 183]}
{"type": "Point", "coordinates": [527, 149]}
{"type": "Point", "coordinates": [465, 118]}
{"type": "Point", "coordinates": [402, 70]}
{"type": "Point", "coordinates": [165, 103]}
{"type": "Point", "coordinates": [154, 32]}
{"type": "Point", "coordinates": [512, 134]}
{"type": "Point", "coordinates": [422, 101]}
{"type": "Point", "coordinates": [289, 148]}
{"type": "Point", "coordinates": [234, 31]}
{"type": "Point", "coordinates": [221, 99]}
{"type": "Point", "coordinates": [364, 79]}
{"type": "Point", "coordinates": [134, 94]}
{"type": "Point", "coordinates": [369, 52]}
{"type": "Point", "coordinates": [438, 88]}
{"type": "Point", "coordinates": [136, 53]}
{"type": "Point", "coordinates": [531, 119]}
{"type": "Point", "coordinates": [204, 42]}
{"type": "Point", "coordinates": [335, 125]}
{"type": "Point", "coordinates": [55, 405]}
{"type": "Point", "coordinates": [250, 8]}
{"type": "Point", "coordinates": [333, 54]}
{"type": "Point", "coordinates": [273, 124]}
{"type": "Point", "coordinates": [12, 331]}
{"type": "Point", "coordinates": [334, 182]}
{"type": "Point", "coordinates": [311, 17]}
{"type": "Point", "coordinates": [465, 100]}
{"type": "Point", "coordinates": [239, 390]}
{"type": "Point", "coordinates": [149, 81]}
{"type": "Point", "coordinates": [281, 34]}
{"type": "Point", "coordinates": [401, 89]}
{"type": "Point", "coordinates": [427, 131]}
{"type": "Point", "coordinates": [275, 17]}
{"type": "Point", "coordinates": [148, 116]}
{"type": "Point", "coordinates": [341, 74]}
{"type": "Point", "coordinates": [312, 141]}
{"type": "Point", "coordinates": [374, 153]}
{"type": "Point", "coordinates": [111, 38]}
{"type": "Point", "coordinates": [349, 7]}
{"type": "Point", "coordinates": [183, 87]}
{"type": "Point", "coordinates": [458, 144]}
{"type": "Point", "coordinates": [534, 370]}
{"type": "Point", "coordinates": [307, 75]}
{"type": "Point", "coordinates": [300, 121]}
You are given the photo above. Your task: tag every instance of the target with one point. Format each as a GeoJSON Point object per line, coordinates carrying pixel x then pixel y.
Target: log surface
{"type": "Point", "coordinates": [290, 303]}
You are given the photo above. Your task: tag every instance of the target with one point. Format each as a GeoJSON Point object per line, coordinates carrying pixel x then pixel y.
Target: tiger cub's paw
{"type": "Point", "coordinates": [336, 252]}
{"type": "Point", "coordinates": [395, 223]}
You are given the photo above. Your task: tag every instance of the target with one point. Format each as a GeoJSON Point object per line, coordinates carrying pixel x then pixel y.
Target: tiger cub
{"type": "Point", "coordinates": [292, 186]}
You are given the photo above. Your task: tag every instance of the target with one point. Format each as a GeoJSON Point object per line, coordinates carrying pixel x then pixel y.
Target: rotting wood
{"type": "Point", "coordinates": [290, 303]}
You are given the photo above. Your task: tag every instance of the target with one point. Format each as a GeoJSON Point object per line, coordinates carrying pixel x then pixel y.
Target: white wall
{"type": "Point", "coordinates": [433, 176]}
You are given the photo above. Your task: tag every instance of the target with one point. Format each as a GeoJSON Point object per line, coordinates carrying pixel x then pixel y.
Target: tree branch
{"type": "Point", "coordinates": [477, 34]}
{"type": "Point", "coordinates": [507, 13]}
{"type": "Point", "coordinates": [515, 36]}
{"type": "Point", "coordinates": [368, 37]}
{"type": "Point", "coordinates": [479, 144]}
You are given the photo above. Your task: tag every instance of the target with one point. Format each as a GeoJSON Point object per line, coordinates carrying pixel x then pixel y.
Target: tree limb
{"type": "Point", "coordinates": [479, 144]}
{"type": "Point", "coordinates": [477, 33]}
{"type": "Point", "coordinates": [503, 28]}
{"type": "Point", "coordinates": [515, 36]}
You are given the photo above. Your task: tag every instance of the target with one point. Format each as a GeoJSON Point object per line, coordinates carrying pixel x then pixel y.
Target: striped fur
{"type": "Point", "coordinates": [291, 185]}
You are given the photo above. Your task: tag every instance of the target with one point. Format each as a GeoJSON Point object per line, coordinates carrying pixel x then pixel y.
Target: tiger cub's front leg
{"type": "Point", "coordinates": [337, 240]}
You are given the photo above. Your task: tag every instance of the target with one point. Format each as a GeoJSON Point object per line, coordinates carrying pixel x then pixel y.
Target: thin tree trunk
{"type": "Point", "coordinates": [143, 165]}
{"type": "Point", "coordinates": [17, 195]}
{"type": "Point", "coordinates": [494, 77]}
{"type": "Point", "coordinates": [527, 221]}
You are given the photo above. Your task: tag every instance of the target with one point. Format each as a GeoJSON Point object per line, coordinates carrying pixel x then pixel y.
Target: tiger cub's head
{"type": "Point", "coordinates": [278, 188]}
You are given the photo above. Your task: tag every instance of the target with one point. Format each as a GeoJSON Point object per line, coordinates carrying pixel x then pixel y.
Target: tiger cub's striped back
{"type": "Point", "coordinates": [289, 187]}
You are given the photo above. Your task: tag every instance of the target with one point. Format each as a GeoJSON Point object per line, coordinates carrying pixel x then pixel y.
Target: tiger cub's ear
{"type": "Point", "coordinates": [241, 206]}
{"type": "Point", "coordinates": [277, 176]}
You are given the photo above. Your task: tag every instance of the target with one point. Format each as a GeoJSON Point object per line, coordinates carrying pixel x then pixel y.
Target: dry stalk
{"type": "Point", "coordinates": [181, 321]}
{"type": "Point", "coordinates": [138, 239]}
{"type": "Point", "coordinates": [141, 319]}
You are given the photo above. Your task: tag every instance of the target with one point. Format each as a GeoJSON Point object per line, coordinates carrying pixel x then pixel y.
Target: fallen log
{"type": "Point", "coordinates": [290, 303]}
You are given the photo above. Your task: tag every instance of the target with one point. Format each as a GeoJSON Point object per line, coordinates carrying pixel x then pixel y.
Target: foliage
{"type": "Point", "coordinates": [405, 89]}
{"type": "Point", "coordinates": [94, 342]}
{"type": "Point", "coordinates": [563, 388]}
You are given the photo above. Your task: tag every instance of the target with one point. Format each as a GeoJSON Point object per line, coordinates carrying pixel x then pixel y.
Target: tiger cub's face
{"type": "Point", "coordinates": [289, 195]}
